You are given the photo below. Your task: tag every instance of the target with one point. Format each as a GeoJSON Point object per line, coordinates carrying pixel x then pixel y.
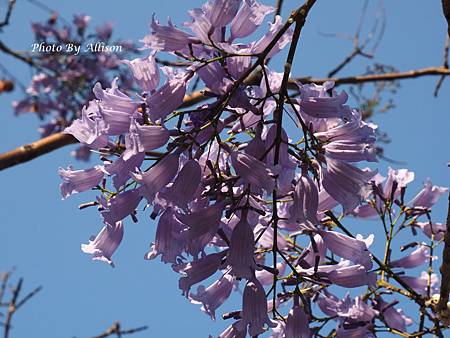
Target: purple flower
{"type": "Point", "coordinates": [145, 72]}
{"type": "Point", "coordinates": [286, 166]}
{"type": "Point", "coordinates": [328, 303]}
{"type": "Point", "coordinates": [221, 12]}
{"type": "Point", "coordinates": [297, 324]}
{"type": "Point", "coordinates": [266, 278]}
{"type": "Point", "coordinates": [354, 315]}
{"type": "Point", "coordinates": [166, 38]}
{"type": "Point", "coordinates": [169, 242]}
{"type": "Point", "coordinates": [352, 276]}
{"type": "Point", "coordinates": [351, 129]}
{"type": "Point", "coordinates": [240, 256]}
{"type": "Point", "coordinates": [252, 170]}
{"type": "Point", "coordinates": [420, 284]}
{"type": "Point", "coordinates": [103, 246]}
{"type": "Point", "coordinates": [81, 20]}
{"type": "Point", "coordinates": [75, 181]}
{"type": "Point", "coordinates": [198, 270]}
{"type": "Point", "coordinates": [104, 32]}
{"type": "Point", "coordinates": [121, 205]}
{"type": "Point", "coordinates": [346, 183]}
{"type": "Point", "coordinates": [81, 153]}
{"type": "Point", "coordinates": [393, 317]}
{"type": "Point", "coordinates": [414, 259]}
{"type": "Point", "coordinates": [158, 176]}
{"type": "Point", "coordinates": [274, 28]}
{"type": "Point", "coordinates": [144, 138]}
{"type": "Point", "coordinates": [350, 152]}
{"type": "Point", "coordinates": [214, 295]}
{"type": "Point", "coordinates": [306, 201]}
{"type": "Point", "coordinates": [316, 252]}
{"type": "Point", "coordinates": [248, 18]}
{"type": "Point", "coordinates": [326, 202]}
{"type": "Point", "coordinates": [185, 185]}
{"type": "Point", "coordinates": [316, 102]}
{"type": "Point", "coordinates": [401, 176]}
{"type": "Point", "coordinates": [254, 310]}
{"type": "Point", "coordinates": [214, 77]}
{"type": "Point", "coordinates": [232, 331]}
{"type": "Point", "coordinates": [344, 274]}
{"type": "Point", "coordinates": [358, 311]}
{"type": "Point", "coordinates": [115, 107]}
{"type": "Point", "coordinates": [168, 97]}
{"type": "Point", "coordinates": [203, 221]}
{"type": "Point", "coordinates": [354, 330]}
{"type": "Point", "coordinates": [121, 169]}
{"type": "Point", "coordinates": [438, 229]}
{"type": "Point", "coordinates": [237, 66]}
{"type": "Point", "coordinates": [90, 128]}
{"type": "Point", "coordinates": [266, 239]}
{"type": "Point", "coordinates": [347, 247]}
{"type": "Point", "coordinates": [201, 26]}
{"type": "Point", "coordinates": [428, 196]}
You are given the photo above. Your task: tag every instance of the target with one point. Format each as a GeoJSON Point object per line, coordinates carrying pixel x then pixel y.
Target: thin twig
{"type": "Point", "coordinates": [278, 116]}
{"type": "Point", "coordinates": [28, 297]}
{"type": "Point", "coordinates": [115, 329]}
{"type": "Point", "coordinates": [359, 46]}
{"type": "Point", "coordinates": [278, 8]}
{"type": "Point", "coordinates": [12, 308]}
{"type": "Point", "coordinates": [444, 65]}
{"type": "Point", "coordinates": [5, 21]}
{"type": "Point", "coordinates": [28, 60]}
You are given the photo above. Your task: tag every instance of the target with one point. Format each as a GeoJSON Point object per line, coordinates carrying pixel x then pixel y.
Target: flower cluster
{"type": "Point", "coordinates": [243, 199]}
{"type": "Point", "coordinates": [64, 71]}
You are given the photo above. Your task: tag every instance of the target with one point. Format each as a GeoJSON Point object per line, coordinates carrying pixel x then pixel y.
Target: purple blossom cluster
{"type": "Point", "coordinates": [245, 202]}
{"type": "Point", "coordinates": [62, 80]}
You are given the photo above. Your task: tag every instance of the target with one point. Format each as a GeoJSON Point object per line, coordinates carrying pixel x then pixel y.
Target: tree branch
{"type": "Point", "coordinates": [115, 329]}
{"type": "Point", "coordinates": [374, 77]}
{"type": "Point", "coordinates": [444, 65]}
{"type": "Point", "coordinates": [12, 308]}
{"type": "Point", "coordinates": [6, 86]}
{"type": "Point", "coordinates": [5, 21]}
{"type": "Point", "coordinates": [30, 151]}
{"type": "Point", "coordinates": [45, 145]}
{"type": "Point", "coordinates": [446, 10]}
{"type": "Point", "coordinates": [445, 268]}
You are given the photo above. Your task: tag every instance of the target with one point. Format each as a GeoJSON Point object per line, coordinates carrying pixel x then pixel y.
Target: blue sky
{"type": "Point", "coordinates": [41, 235]}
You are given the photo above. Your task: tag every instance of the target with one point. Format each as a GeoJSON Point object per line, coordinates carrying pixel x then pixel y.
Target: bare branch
{"type": "Point", "coordinates": [116, 330]}
{"type": "Point", "coordinates": [357, 51]}
{"type": "Point", "coordinates": [28, 60]}
{"type": "Point", "coordinates": [30, 151]}
{"type": "Point", "coordinates": [28, 297]}
{"type": "Point", "coordinates": [359, 46]}
{"type": "Point", "coordinates": [446, 10]}
{"type": "Point", "coordinates": [375, 77]}
{"type": "Point", "coordinates": [445, 268]}
{"type": "Point", "coordinates": [444, 65]}
{"type": "Point", "coordinates": [278, 7]}
{"type": "Point", "coordinates": [5, 21]}
{"type": "Point", "coordinates": [12, 308]}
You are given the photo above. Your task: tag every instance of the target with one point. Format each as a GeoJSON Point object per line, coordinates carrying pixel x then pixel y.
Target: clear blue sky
{"type": "Point", "coordinates": [41, 235]}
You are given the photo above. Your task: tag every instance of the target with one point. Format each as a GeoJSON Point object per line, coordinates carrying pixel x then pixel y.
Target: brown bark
{"type": "Point", "coordinates": [45, 145]}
